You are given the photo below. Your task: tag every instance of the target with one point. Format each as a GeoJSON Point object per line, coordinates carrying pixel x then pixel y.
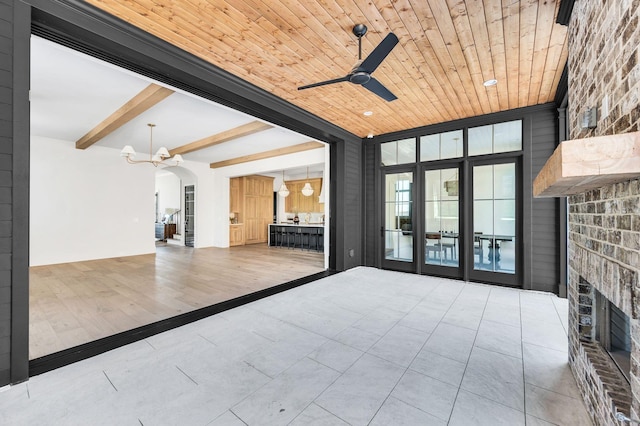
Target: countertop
{"type": "Point", "coordinates": [315, 225]}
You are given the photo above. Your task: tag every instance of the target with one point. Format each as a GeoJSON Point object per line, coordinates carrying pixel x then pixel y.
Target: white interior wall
{"type": "Point", "coordinates": [84, 206]}
{"type": "Point", "coordinates": [91, 204]}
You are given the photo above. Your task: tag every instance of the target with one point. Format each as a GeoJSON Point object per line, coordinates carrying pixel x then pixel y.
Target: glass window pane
{"type": "Point", "coordinates": [430, 148]}
{"type": "Point", "coordinates": [398, 152]}
{"type": "Point", "coordinates": [407, 151]}
{"type": "Point", "coordinates": [441, 218]}
{"type": "Point", "coordinates": [507, 136]}
{"type": "Point", "coordinates": [480, 140]}
{"type": "Point", "coordinates": [483, 182]}
{"type": "Point", "coordinates": [504, 217]}
{"type": "Point", "coordinates": [494, 138]}
{"type": "Point", "coordinates": [388, 153]}
{"type": "Point", "coordinates": [432, 185]}
{"type": "Point", "coordinates": [451, 144]}
{"type": "Point", "coordinates": [398, 217]}
{"type": "Point", "coordinates": [450, 184]}
{"type": "Point", "coordinates": [494, 218]}
{"type": "Point", "coordinates": [504, 181]}
{"type": "Point", "coordinates": [483, 217]}
{"type": "Point", "coordinates": [441, 146]}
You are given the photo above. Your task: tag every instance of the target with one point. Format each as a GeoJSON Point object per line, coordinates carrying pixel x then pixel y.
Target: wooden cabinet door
{"type": "Point", "coordinates": [236, 235]}
{"type": "Point", "coordinates": [252, 219]}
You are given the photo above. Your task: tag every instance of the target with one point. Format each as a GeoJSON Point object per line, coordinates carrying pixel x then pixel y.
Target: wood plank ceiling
{"type": "Point", "coordinates": [447, 49]}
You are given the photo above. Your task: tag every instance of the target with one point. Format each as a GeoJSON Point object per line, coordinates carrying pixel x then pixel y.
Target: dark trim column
{"type": "Point", "coordinates": [20, 195]}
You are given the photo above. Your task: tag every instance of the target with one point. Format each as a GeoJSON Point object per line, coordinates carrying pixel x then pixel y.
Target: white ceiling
{"type": "Point", "coordinates": [71, 93]}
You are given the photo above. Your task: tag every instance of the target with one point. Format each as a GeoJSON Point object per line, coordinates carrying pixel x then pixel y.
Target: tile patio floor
{"type": "Point", "coordinates": [363, 347]}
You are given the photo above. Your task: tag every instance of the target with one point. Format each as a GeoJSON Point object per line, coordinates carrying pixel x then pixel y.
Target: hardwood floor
{"type": "Point", "coordinates": [75, 303]}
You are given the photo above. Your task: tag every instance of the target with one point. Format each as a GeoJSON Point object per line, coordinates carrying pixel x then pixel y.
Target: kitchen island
{"type": "Point", "coordinates": [305, 236]}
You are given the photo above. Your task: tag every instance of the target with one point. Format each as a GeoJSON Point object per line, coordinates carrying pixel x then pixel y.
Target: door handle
{"type": "Point", "coordinates": [382, 231]}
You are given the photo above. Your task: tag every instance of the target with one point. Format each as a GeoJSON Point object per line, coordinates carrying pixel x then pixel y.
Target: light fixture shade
{"type": "Point", "coordinates": [283, 191]}
{"type": "Point", "coordinates": [307, 190]}
{"type": "Point", "coordinates": [156, 159]}
{"type": "Point", "coordinates": [178, 159]}
{"type": "Point", "coordinates": [128, 151]}
{"type": "Point", "coordinates": [163, 153]}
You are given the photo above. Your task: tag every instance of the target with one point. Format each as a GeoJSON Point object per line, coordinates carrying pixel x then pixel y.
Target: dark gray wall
{"type": "Point", "coordinates": [545, 248]}
{"type": "Point", "coordinates": [6, 132]}
{"type": "Point", "coordinates": [14, 191]}
{"type": "Point", "coordinates": [347, 204]}
{"type": "Point", "coordinates": [540, 221]}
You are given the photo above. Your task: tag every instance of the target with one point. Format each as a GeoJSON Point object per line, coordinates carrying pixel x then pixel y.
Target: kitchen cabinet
{"type": "Point", "coordinates": [251, 199]}
{"type": "Point", "coordinates": [296, 202]}
{"type": "Point", "coordinates": [236, 234]}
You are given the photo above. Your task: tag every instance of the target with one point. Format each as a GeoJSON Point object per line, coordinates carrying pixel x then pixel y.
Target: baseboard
{"type": "Point", "coordinates": [77, 353]}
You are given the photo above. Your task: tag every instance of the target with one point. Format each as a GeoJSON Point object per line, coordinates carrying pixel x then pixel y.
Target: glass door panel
{"type": "Point", "coordinates": [494, 218]}
{"type": "Point", "coordinates": [398, 217]}
{"type": "Point", "coordinates": [442, 218]}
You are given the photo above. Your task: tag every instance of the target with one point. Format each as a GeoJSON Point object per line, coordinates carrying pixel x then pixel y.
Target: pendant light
{"type": "Point", "coordinates": [307, 190]}
{"type": "Point", "coordinates": [283, 191]}
{"type": "Point", "coordinates": [160, 158]}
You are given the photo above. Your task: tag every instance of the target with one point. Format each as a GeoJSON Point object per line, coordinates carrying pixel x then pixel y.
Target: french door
{"type": "Point", "coordinates": [495, 222]}
{"type": "Point", "coordinates": [397, 231]}
{"type": "Point", "coordinates": [442, 240]}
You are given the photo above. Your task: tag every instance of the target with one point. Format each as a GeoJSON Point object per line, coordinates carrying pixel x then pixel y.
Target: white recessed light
{"type": "Point", "coordinates": [491, 82]}
{"type": "Point", "coordinates": [368, 113]}
{"type": "Point", "coordinates": [370, 136]}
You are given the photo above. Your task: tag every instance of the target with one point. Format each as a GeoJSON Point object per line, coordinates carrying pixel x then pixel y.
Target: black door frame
{"type": "Point", "coordinates": [438, 270]}
{"type": "Point", "coordinates": [512, 280]}
{"type": "Point", "coordinates": [397, 265]}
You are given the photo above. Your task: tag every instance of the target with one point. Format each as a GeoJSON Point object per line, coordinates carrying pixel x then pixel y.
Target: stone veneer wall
{"type": "Point", "coordinates": [604, 234]}
{"type": "Point", "coordinates": [604, 254]}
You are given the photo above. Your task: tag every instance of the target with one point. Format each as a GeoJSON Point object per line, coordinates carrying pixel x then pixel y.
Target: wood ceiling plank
{"type": "Point", "coordinates": [474, 40]}
{"type": "Point", "coordinates": [559, 70]}
{"type": "Point", "coordinates": [495, 25]}
{"type": "Point", "coordinates": [422, 85]}
{"type": "Point", "coordinates": [147, 98]}
{"type": "Point", "coordinates": [544, 27]}
{"type": "Point", "coordinates": [440, 33]}
{"type": "Point", "coordinates": [268, 154]}
{"type": "Point", "coordinates": [555, 62]}
{"type": "Point", "coordinates": [528, 20]}
{"type": "Point", "coordinates": [226, 136]}
{"type": "Point", "coordinates": [511, 31]}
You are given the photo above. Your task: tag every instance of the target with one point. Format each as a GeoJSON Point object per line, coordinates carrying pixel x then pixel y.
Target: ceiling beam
{"type": "Point", "coordinates": [268, 154]}
{"type": "Point", "coordinates": [147, 98]}
{"type": "Point", "coordinates": [227, 135]}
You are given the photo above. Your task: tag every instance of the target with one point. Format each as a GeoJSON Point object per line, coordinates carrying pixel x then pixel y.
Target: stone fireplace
{"type": "Point", "coordinates": [604, 256]}
{"type": "Point", "coordinates": [598, 169]}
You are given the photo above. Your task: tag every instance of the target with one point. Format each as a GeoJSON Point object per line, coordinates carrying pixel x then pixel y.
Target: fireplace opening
{"type": "Point", "coordinates": [613, 333]}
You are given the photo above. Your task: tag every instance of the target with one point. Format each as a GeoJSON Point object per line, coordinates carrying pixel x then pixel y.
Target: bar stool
{"type": "Point", "coordinates": [305, 233]}
{"type": "Point", "coordinates": [320, 239]}
{"type": "Point", "coordinates": [313, 233]}
{"type": "Point", "coordinates": [290, 232]}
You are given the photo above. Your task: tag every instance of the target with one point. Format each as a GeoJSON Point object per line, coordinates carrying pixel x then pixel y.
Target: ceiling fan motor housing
{"type": "Point", "coordinates": [360, 77]}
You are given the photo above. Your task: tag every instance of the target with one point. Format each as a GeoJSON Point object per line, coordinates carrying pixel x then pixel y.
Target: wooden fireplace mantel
{"type": "Point", "coordinates": [579, 165]}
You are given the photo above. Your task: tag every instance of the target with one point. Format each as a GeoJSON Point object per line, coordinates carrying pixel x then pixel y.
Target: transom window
{"type": "Point", "coordinates": [441, 145]}
{"type": "Point", "coordinates": [398, 152]}
{"type": "Point", "coordinates": [495, 138]}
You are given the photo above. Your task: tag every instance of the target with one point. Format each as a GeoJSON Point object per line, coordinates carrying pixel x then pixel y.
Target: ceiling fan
{"type": "Point", "coordinates": [361, 72]}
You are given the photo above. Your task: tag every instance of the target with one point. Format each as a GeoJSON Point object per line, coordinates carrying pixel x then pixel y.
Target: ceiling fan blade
{"type": "Point", "coordinates": [324, 83]}
{"type": "Point", "coordinates": [376, 87]}
{"type": "Point", "coordinates": [381, 51]}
